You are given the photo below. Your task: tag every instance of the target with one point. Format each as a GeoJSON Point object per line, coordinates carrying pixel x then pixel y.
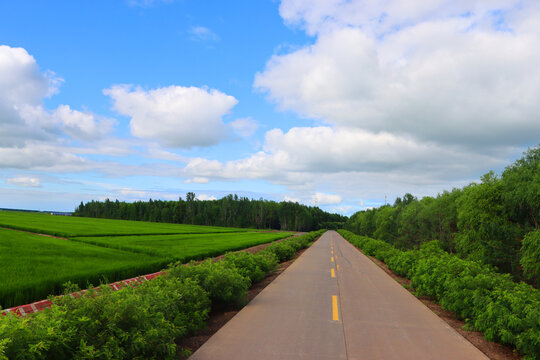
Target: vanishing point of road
{"type": "Point", "coordinates": [334, 303]}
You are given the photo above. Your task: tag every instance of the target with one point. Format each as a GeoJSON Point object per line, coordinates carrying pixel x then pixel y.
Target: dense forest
{"type": "Point", "coordinates": [232, 211]}
{"type": "Point", "coordinates": [495, 221]}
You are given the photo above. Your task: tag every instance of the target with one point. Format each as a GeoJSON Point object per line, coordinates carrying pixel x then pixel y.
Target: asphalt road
{"type": "Point", "coordinates": [335, 303]}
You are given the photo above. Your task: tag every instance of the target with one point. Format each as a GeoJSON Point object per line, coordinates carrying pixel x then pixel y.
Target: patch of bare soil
{"type": "Point", "coordinates": [491, 349]}
{"type": "Point", "coordinates": [219, 316]}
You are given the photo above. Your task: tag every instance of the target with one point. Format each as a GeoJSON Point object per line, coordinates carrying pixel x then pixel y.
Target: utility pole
{"type": "Point", "coordinates": [385, 196]}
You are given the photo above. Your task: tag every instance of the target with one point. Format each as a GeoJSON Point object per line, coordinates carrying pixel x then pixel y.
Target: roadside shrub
{"type": "Point", "coordinates": [403, 262]}
{"type": "Point", "coordinates": [135, 322]}
{"type": "Point", "coordinates": [248, 265]}
{"type": "Point", "coordinates": [282, 251]}
{"type": "Point", "coordinates": [224, 285]}
{"type": "Point", "coordinates": [299, 242]}
{"type": "Point", "coordinates": [270, 262]}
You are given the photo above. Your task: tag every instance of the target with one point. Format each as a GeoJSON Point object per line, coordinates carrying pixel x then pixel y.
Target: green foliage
{"type": "Point", "coordinates": [386, 227]}
{"type": "Point", "coordinates": [403, 262]}
{"type": "Point", "coordinates": [283, 252]}
{"type": "Point", "coordinates": [491, 302]}
{"type": "Point", "coordinates": [530, 258]}
{"type": "Point", "coordinates": [484, 231]}
{"type": "Point", "coordinates": [135, 322]}
{"type": "Point", "coordinates": [521, 189]}
{"type": "Point", "coordinates": [286, 249]}
{"type": "Point", "coordinates": [484, 222]}
{"type": "Point", "coordinates": [224, 285]}
{"type": "Point", "coordinates": [251, 266]}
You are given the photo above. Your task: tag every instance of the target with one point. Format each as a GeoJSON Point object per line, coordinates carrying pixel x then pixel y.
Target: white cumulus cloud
{"type": "Point", "coordinates": [83, 125]}
{"type": "Point", "coordinates": [435, 81]}
{"type": "Point", "coordinates": [176, 116]}
{"type": "Point", "coordinates": [22, 89]}
{"type": "Point", "coordinates": [32, 136]}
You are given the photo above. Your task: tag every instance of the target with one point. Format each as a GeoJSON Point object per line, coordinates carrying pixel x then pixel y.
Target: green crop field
{"type": "Point", "coordinates": [69, 226]}
{"type": "Point", "coordinates": [34, 266]}
{"type": "Point", "coordinates": [184, 247]}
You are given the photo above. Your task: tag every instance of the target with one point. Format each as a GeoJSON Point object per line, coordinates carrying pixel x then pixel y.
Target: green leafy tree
{"type": "Point", "coordinates": [484, 231]}
{"type": "Point", "coordinates": [530, 256]}
{"type": "Point", "coordinates": [386, 224]}
{"type": "Point", "coordinates": [521, 185]}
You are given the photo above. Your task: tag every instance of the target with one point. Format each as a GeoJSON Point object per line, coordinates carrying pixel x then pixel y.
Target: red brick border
{"type": "Point", "coordinates": [23, 310]}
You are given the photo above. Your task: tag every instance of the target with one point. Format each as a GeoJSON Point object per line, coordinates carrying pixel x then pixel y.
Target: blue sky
{"type": "Point", "coordinates": [322, 102]}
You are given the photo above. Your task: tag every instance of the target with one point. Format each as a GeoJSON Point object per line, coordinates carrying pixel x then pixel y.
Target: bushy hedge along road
{"type": "Point", "coordinates": [141, 322]}
{"type": "Point", "coordinates": [505, 311]}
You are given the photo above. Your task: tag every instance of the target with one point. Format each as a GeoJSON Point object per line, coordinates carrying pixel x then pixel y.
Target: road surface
{"type": "Point", "coordinates": [335, 303]}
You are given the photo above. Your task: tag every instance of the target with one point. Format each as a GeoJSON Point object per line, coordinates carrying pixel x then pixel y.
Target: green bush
{"type": "Point", "coordinates": [403, 262]}
{"type": "Point", "coordinates": [135, 322]}
{"type": "Point", "coordinates": [224, 285]}
{"type": "Point", "coordinates": [282, 251]}
{"type": "Point", "coordinates": [250, 266]}
{"type": "Point", "coordinates": [269, 262]}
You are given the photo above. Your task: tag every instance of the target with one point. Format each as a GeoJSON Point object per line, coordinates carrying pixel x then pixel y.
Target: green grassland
{"type": "Point", "coordinates": [71, 226]}
{"type": "Point", "coordinates": [184, 247]}
{"type": "Point", "coordinates": [34, 266]}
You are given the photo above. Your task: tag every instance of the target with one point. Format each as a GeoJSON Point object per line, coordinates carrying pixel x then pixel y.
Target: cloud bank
{"type": "Point", "coordinates": [175, 116]}
{"type": "Point", "coordinates": [454, 79]}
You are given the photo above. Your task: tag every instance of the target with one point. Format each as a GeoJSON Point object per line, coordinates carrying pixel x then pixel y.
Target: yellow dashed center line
{"type": "Point", "coordinates": [332, 258]}
{"type": "Point", "coordinates": [335, 315]}
{"type": "Point", "coordinates": [332, 251]}
{"type": "Point", "coordinates": [332, 273]}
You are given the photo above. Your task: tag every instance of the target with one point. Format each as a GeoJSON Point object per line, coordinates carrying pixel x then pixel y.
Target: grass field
{"type": "Point", "coordinates": [71, 226]}
{"type": "Point", "coordinates": [34, 266]}
{"type": "Point", "coordinates": [184, 247]}
{"type": "Point", "coordinates": [95, 250]}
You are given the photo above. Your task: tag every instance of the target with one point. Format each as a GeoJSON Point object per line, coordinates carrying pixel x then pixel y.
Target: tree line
{"type": "Point", "coordinates": [495, 221]}
{"type": "Point", "coordinates": [230, 211]}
